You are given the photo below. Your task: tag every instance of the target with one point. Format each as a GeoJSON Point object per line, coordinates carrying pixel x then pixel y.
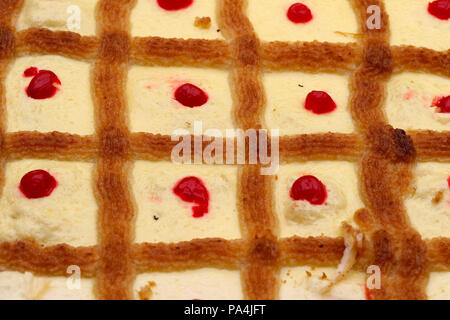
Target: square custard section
{"type": "Point", "coordinates": [164, 216]}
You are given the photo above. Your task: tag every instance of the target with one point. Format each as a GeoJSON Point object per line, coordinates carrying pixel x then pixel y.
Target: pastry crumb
{"type": "Point", "coordinates": [438, 197]}
{"type": "Point", "coordinates": [146, 292]}
{"type": "Point", "coordinates": [202, 22]}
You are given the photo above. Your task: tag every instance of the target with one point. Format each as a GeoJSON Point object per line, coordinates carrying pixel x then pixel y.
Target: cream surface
{"type": "Point", "coordinates": [286, 99]}
{"type": "Point", "coordinates": [153, 107]}
{"type": "Point", "coordinates": [149, 19]}
{"type": "Point", "coordinates": [428, 206]}
{"type": "Point", "coordinates": [333, 21]}
{"type": "Point", "coordinates": [153, 183]}
{"type": "Point", "coordinates": [68, 215]}
{"type": "Point", "coordinates": [205, 283]}
{"type": "Point", "coordinates": [439, 286]}
{"type": "Point", "coordinates": [297, 284]}
{"type": "Point", "coordinates": [411, 24]}
{"type": "Point", "coordinates": [26, 286]}
{"type": "Point", "coordinates": [69, 110]}
{"type": "Point", "coordinates": [62, 15]}
{"type": "Point", "coordinates": [304, 220]}
{"type": "Point", "coordinates": [410, 98]}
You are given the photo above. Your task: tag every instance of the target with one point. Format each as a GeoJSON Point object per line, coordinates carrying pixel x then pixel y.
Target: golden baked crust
{"type": "Point", "coordinates": [385, 154]}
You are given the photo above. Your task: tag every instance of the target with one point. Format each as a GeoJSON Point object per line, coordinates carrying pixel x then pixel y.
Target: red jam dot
{"type": "Point", "coordinates": [448, 182]}
{"type": "Point", "coordinates": [192, 189]}
{"type": "Point", "coordinates": [440, 9]}
{"type": "Point", "coordinates": [299, 13]}
{"type": "Point", "coordinates": [42, 86]}
{"type": "Point", "coordinates": [30, 72]}
{"type": "Point", "coordinates": [309, 188]}
{"type": "Point", "coordinates": [37, 184]}
{"type": "Point", "coordinates": [319, 102]}
{"type": "Point", "coordinates": [172, 5]}
{"type": "Point", "coordinates": [190, 96]}
{"type": "Point", "coordinates": [443, 104]}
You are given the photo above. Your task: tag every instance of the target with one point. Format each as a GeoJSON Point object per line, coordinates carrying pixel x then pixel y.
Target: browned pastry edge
{"type": "Point", "coordinates": [7, 46]}
{"type": "Point", "coordinates": [310, 56]}
{"type": "Point", "coordinates": [196, 253]}
{"type": "Point", "coordinates": [387, 154]}
{"type": "Point", "coordinates": [196, 52]}
{"type": "Point", "coordinates": [385, 172]}
{"type": "Point", "coordinates": [258, 221]}
{"type": "Point", "coordinates": [53, 260]}
{"type": "Point", "coordinates": [306, 56]}
{"type": "Point", "coordinates": [53, 145]}
{"type": "Point", "coordinates": [319, 251]}
{"type": "Point", "coordinates": [431, 145]}
{"type": "Point", "coordinates": [291, 148]}
{"type": "Point", "coordinates": [421, 60]}
{"type": "Point", "coordinates": [295, 251]}
{"type": "Point", "coordinates": [9, 10]}
{"type": "Point", "coordinates": [8, 13]}
{"type": "Point", "coordinates": [322, 146]}
{"type": "Point", "coordinates": [116, 212]}
{"type": "Point", "coordinates": [156, 147]}
{"type": "Point", "coordinates": [3, 66]}
{"type": "Point", "coordinates": [63, 43]}
{"type": "Point", "coordinates": [439, 253]}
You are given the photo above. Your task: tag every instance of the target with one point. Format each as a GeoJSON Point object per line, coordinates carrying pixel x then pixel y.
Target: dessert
{"type": "Point", "coordinates": [170, 211]}
{"type": "Point", "coordinates": [303, 20]}
{"type": "Point", "coordinates": [49, 201]}
{"type": "Point", "coordinates": [412, 23]}
{"type": "Point", "coordinates": [93, 207]}
{"type": "Point", "coordinates": [413, 99]}
{"type": "Point", "coordinates": [287, 93]}
{"type": "Point", "coordinates": [67, 104]}
{"type": "Point", "coordinates": [157, 104]}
